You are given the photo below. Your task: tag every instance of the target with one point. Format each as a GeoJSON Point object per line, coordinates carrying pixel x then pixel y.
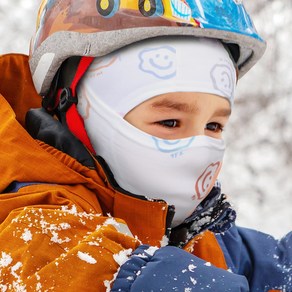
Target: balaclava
{"type": "Point", "coordinates": [181, 172]}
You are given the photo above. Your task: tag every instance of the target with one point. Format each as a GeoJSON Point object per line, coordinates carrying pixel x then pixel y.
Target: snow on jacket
{"type": "Point", "coordinates": [65, 225]}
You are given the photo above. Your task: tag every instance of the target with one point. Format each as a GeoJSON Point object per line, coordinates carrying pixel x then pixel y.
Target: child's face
{"type": "Point", "coordinates": [179, 115]}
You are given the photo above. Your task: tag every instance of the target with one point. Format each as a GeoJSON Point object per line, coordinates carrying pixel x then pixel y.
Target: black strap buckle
{"type": "Point", "coordinates": [66, 99]}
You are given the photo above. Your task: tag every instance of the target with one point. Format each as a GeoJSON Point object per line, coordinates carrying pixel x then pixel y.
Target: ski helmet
{"type": "Point", "coordinates": [67, 28]}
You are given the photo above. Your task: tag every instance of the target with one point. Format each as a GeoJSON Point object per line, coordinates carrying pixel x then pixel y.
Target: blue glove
{"type": "Point", "coordinates": [173, 269]}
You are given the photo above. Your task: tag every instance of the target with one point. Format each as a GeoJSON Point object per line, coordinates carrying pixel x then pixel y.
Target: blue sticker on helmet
{"type": "Point", "coordinates": [229, 15]}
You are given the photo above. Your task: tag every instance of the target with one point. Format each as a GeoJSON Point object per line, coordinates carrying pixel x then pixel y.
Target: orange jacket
{"type": "Point", "coordinates": [58, 223]}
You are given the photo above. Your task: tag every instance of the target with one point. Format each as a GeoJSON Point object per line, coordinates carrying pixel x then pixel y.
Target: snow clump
{"type": "Point", "coordinates": [86, 257]}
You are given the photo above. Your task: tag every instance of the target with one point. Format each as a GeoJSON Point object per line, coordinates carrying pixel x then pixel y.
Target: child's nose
{"type": "Point", "coordinates": [197, 129]}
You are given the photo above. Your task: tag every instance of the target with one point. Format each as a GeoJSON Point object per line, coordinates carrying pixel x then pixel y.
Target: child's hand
{"type": "Point", "coordinates": [173, 269]}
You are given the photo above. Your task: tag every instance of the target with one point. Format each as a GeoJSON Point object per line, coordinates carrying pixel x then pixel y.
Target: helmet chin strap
{"type": "Point", "coordinates": [66, 101]}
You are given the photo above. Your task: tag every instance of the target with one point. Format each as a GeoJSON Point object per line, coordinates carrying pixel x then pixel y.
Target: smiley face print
{"type": "Point", "coordinates": [160, 62]}
{"type": "Point", "coordinates": [170, 146]}
{"type": "Point", "coordinates": [206, 181]}
{"type": "Point", "coordinates": [223, 80]}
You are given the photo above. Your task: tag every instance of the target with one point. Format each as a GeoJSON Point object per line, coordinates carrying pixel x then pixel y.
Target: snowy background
{"type": "Point", "coordinates": [258, 161]}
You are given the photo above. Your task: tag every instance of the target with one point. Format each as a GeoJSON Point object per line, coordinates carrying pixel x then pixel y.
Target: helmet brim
{"type": "Point", "coordinates": [46, 60]}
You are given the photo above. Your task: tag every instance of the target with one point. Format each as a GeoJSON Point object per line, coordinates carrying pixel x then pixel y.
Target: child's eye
{"type": "Point", "coordinates": [214, 127]}
{"type": "Point", "coordinates": [169, 123]}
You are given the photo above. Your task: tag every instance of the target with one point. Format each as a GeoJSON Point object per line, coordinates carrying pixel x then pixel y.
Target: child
{"type": "Point", "coordinates": [118, 189]}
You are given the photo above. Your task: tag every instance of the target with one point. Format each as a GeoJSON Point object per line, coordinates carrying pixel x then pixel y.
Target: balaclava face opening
{"type": "Point", "coordinates": [181, 172]}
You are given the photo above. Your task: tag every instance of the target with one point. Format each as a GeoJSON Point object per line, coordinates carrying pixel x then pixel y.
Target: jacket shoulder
{"type": "Point", "coordinates": [16, 84]}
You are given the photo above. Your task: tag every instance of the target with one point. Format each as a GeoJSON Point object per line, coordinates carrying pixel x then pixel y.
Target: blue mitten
{"type": "Point", "coordinates": [173, 269]}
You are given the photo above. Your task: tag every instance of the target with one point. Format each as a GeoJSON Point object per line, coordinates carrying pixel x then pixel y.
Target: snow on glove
{"type": "Point", "coordinates": [172, 269]}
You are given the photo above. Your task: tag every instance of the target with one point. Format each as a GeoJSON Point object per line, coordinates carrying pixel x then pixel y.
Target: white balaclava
{"type": "Point", "coordinates": [181, 172]}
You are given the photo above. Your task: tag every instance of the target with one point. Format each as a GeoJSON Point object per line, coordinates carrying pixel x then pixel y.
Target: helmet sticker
{"type": "Point", "coordinates": [160, 62]}
{"type": "Point", "coordinates": [151, 7]}
{"type": "Point", "coordinates": [107, 8]}
{"type": "Point", "coordinates": [181, 9]}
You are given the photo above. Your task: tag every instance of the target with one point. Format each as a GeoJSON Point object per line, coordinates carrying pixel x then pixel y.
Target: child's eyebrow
{"type": "Point", "coordinates": [167, 104]}
{"type": "Point", "coordinates": [223, 112]}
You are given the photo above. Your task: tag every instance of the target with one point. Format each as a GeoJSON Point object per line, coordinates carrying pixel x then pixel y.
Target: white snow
{"type": "Point", "coordinates": [65, 226]}
{"type": "Point", "coordinates": [55, 238]}
{"type": "Point", "coordinates": [121, 257]}
{"type": "Point", "coordinates": [111, 221]}
{"type": "Point", "coordinates": [107, 285]}
{"type": "Point", "coordinates": [26, 235]}
{"type": "Point", "coordinates": [39, 287]}
{"type": "Point", "coordinates": [276, 257]}
{"type": "Point", "coordinates": [3, 288]}
{"type": "Point", "coordinates": [151, 250]}
{"type": "Point", "coordinates": [164, 241]}
{"type": "Point", "coordinates": [192, 268]}
{"type": "Point", "coordinates": [86, 257]}
{"type": "Point", "coordinates": [193, 280]}
{"type": "Point", "coordinates": [16, 267]}
{"type": "Point", "coordinates": [72, 211]}
{"type": "Point", "coordinates": [5, 260]}
{"type": "Point", "coordinates": [38, 277]}
{"type": "Point", "coordinates": [17, 283]}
